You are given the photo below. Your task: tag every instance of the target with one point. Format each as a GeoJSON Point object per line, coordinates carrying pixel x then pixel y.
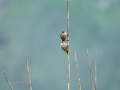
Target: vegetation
{"type": "Point", "coordinates": [32, 28]}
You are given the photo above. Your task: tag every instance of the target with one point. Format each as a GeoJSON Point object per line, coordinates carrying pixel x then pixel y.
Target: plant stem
{"type": "Point", "coordinates": [90, 69]}
{"type": "Point", "coordinates": [28, 73]}
{"type": "Point", "coordinates": [95, 69]}
{"type": "Point", "coordinates": [77, 70]}
{"type": "Point", "coordinates": [68, 44]}
{"type": "Point", "coordinates": [8, 80]}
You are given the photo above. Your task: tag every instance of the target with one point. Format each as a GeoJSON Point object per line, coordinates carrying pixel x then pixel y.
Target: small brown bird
{"type": "Point", "coordinates": [63, 35]}
{"type": "Point", "coordinates": [64, 46]}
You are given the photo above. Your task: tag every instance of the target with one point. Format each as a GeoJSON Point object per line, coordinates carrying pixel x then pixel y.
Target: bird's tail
{"type": "Point", "coordinates": [67, 52]}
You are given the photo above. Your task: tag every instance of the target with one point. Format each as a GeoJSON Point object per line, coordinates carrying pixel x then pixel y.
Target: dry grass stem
{"type": "Point", "coordinates": [28, 73]}
{"type": "Point", "coordinates": [90, 70]}
{"type": "Point", "coordinates": [77, 70]}
{"type": "Point", "coordinates": [7, 80]}
{"type": "Point", "coordinates": [68, 44]}
{"type": "Point", "coordinates": [95, 69]}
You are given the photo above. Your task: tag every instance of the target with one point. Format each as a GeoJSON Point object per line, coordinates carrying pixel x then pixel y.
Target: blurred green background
{"type": "Point", "coordinates": [33, 28]}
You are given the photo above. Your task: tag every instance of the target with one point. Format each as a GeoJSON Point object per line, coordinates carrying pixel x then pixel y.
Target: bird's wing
{"type": "Point", "coordinates": [67, 47]}
{"type": "Point", "coordinates": [60, 34]}
{"type": "Point", "coordinates": [65, 44]}
{"type": "Point", "coordinates": [61, 46]}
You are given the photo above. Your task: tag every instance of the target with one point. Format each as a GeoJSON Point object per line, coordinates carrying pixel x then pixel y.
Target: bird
{"type": "Point", "coordinates": [64, 46]}
{"type": "Point", "coordinates": [63, 36]}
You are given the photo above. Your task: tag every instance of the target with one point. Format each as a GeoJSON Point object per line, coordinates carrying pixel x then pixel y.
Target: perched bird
{"type": "Point", "coordinates": [63, 35]}
{"type": "Point", "coordinates": [64, 46]}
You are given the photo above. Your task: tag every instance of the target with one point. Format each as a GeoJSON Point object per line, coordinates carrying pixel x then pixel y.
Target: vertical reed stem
{"type": "Point", "coordinates": [8, 80]}
{"type": "Point", "coordinates": [90, 70]}
{"type": "Point", "coordinates": [77, 70]}
{"type": "Point", "coordinates": [28, 73]}
{"type": "Point", "coordinates": [95, 69]}
{"type": "Point", "coordinates": [68, 44]}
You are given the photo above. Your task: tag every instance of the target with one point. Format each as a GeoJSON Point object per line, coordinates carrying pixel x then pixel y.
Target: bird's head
{"type": "Point", "coordinates": [63, 31]}
{"type": "Point", "coordinates": [62, 42]}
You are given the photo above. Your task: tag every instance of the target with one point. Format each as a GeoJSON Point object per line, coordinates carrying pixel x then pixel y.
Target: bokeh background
{"type": "Point", "coordinates": [33, 28]}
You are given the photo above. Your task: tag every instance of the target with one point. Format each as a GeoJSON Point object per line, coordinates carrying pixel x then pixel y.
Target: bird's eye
{"type": "Point", "coordinates": [62, 31]}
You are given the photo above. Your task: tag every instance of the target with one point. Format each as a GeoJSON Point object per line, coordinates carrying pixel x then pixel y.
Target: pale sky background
{"type": "Point", "coordinates": [33, 28]}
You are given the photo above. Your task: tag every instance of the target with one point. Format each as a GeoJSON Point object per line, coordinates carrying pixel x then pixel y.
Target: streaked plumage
{"type": "Point", "coordinates": [63, 35]}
